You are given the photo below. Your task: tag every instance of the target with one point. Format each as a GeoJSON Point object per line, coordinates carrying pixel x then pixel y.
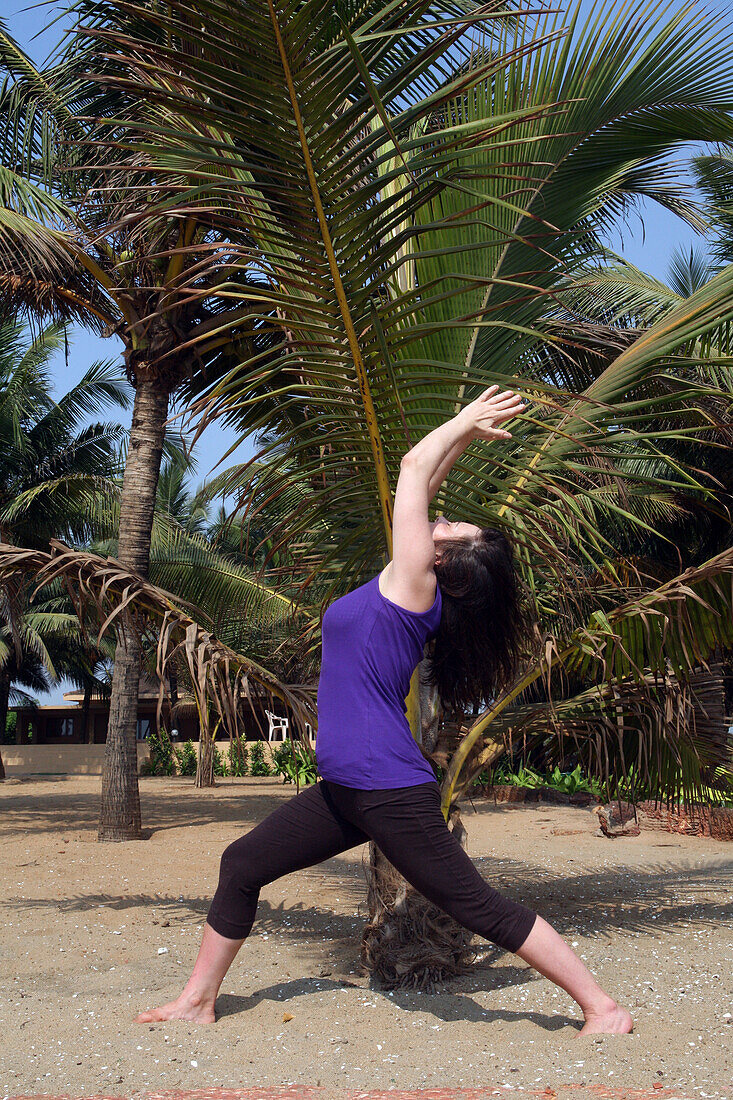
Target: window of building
{"type": "Point", "coordinates": [144, 726]}
{"type": "Point", "coordinates": [60, 726]}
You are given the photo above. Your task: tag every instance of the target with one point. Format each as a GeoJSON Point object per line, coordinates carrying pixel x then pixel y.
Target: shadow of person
{"type": "Point", "coordinates": [448, 1007]}
{"type": "Point", "coordinates": [230, 1004]}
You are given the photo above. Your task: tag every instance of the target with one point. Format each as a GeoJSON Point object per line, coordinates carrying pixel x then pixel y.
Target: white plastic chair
{"type": "Point", "coordinates": [277, 725]}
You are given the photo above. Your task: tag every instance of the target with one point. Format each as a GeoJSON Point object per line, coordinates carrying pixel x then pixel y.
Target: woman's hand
{"type": "Point", "coordinates": [490, 409]}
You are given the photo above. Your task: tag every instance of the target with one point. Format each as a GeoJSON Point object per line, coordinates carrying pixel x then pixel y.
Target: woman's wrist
{"type": "Point", "coordinates": [466, 424]}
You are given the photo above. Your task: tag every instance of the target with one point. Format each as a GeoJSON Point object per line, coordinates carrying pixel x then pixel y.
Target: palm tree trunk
{"type": "Point", "coordinates": [120, 811]}
{"type": "Point", "coordinates": [409, 942]}
{"type": "Point", "coordinates": [205, 766]}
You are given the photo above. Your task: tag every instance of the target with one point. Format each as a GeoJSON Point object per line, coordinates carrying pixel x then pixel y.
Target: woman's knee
{"type": "Point", "coordinates": [239, 862]}
{"type": "Point", "coordinates": [472, 902]}
{"type": "Point", "coordinates": [505, 922]}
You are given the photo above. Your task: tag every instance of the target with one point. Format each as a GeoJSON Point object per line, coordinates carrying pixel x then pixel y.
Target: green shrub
{"type": "Point", "coordinates": [504, 775]}
{"type": "Point", "coordinates": [571, 782]}
{"type": "Point", "coordinates": [220, 763]}
{"type": "Point", "coordinates": [238, 756]}
{"type": "Point", "coordinates": [298, 765]}
{"type": "Point", "coordinates": [567, 782]}
{"type": "Point", "coordinates": [161, 754]}
{"type": "Point", "coordinates": [187, 758]}
{"type": "Point", "coordinates": [257, 763]}
{"type": "Point", "coordinates": [11, 722]}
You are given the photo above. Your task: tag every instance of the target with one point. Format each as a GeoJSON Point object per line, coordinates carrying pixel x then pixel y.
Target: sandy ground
{"type": "Point", "coordinates": [91, 934]}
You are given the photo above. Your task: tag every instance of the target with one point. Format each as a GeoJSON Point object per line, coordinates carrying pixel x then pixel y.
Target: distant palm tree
{"type": "Point", "coordinates": [72, 247]}
{"type": "Point", "coordinates": [175, 498]}
{"type": "Point", "coordinates": [53, 464]}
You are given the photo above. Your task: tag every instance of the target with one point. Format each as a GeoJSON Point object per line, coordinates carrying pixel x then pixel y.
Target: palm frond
{"type": "Point", "coordinates": [663, 736]}
{"type": "Point", "coordinates": [102, 589]}
{"type": "Point", "coordinates": [714, 178]}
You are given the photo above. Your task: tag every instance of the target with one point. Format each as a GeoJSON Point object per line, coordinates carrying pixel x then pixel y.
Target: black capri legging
{"type": "Point", "coordinates": [406, 823]}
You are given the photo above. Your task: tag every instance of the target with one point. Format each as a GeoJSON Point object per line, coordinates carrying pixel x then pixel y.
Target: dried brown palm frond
{"type": "Point", "coordinates": [671, 730]}
{"type": "Point", "coordinates": [40, 274]}
{"type": "Point", "coordinates": [105, 594]}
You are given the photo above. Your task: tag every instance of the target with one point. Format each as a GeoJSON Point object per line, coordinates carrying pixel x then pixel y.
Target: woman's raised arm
{"type": "Point", "coordinates": [422, 471]}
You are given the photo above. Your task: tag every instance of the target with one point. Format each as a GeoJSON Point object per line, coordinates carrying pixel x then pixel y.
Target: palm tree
{"type": "Point", "coordinates": [48, 645]}
{"type": "Point", "coordinates": [72, 245]}
{"type": "Point", "coordinates": [52, 465]}
{"type": "Point", "coordinates": [175, 499]}
{"type": "Point", "coordinates": [434, 217]}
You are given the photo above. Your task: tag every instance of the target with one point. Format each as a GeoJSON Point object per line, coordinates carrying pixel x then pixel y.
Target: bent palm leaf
{"type": "Point", "coordinates": [100, 588]}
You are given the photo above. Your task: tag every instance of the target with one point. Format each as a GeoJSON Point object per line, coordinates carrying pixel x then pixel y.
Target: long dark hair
{"type": "Point", "coordinates": [484, 626]}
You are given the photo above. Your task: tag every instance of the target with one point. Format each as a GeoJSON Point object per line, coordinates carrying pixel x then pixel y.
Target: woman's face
{"type": "Point", "coordinates": [444, 529]}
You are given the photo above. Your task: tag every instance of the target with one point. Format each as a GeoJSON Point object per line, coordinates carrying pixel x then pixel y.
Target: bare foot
{"type": "Point", "coordinates": [189, 1006]}
{"type": "Point", "coordinates": [611, 1021]}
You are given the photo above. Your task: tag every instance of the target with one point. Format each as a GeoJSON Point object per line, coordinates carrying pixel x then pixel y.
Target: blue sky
{"type": "Point", "coordinates": [647, 240]}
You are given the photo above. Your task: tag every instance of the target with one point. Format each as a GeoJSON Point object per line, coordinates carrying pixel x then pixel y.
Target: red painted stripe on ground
{"type": "Point", "coordinates": [303, 1092]}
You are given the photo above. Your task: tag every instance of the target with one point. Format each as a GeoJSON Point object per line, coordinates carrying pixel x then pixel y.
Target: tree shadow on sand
{"type": "Point", "coordinates": [170, 803]}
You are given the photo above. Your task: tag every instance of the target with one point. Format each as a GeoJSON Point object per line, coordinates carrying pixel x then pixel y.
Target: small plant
{"type": "Point", "coordinates": [220, 763]}
{"type": "Point", "coordinates": [257, 763]}
{"type": "Point", "coordinates": [501, 775]}
{"type": "Point", "coordinates": [574, 781]}
{"type": "Point", "coordinates": [567, 782]}
{"type": "Point", "coordinates": [299, 765]}
{"type": "Point", "coordinates": [238, 757]}
{"type": "Point", "coordinates": [187, 758]}
{"type": "Point", "coordinates": [524, 777]}
{"type": "Point", "coordinates": [161, 754]}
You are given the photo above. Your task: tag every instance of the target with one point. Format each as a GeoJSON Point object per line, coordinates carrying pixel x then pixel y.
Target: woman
{"type": "Point", "coordinates": [376, 783]}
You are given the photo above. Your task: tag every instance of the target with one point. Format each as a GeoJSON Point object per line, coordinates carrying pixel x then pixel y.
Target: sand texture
{"type": "Point", "coordinates": [93, 933]}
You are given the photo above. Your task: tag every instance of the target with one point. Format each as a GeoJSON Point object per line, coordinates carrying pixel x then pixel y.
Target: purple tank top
{"type": "Point", "coordinates": [371, 647]}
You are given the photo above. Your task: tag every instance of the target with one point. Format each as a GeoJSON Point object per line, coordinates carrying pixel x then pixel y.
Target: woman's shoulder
{"type": "Point", "coordinates": [414, 595]}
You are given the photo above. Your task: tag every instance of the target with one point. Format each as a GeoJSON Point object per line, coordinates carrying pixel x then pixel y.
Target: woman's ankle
{"type": "Point", "coordinates": [198, 994]}
{"type": "Point", "coordinates": [598, 1005]}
